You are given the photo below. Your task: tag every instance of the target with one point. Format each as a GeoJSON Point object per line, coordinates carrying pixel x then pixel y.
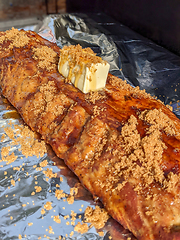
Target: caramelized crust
{"type": "Point", "coordinates": [68, 132]}
{"type": "Point", "coordinates": [122, 144]}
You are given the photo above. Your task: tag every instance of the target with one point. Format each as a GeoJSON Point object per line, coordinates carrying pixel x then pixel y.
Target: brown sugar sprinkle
{"type": "Point", "coordinates": [29, 144]}
{"type": "Point", "coordinates": [73, 191]}
{"type": "Point", "coordinates": [51, 230]}
{"type": "Point", "coordinates": [147, 150]}
{"type": "Point", "coordinates": [9, 159]}
{"type": "Point", "coordinates": [13, 182]}
{"type": "Point", "coordinates": [122, 85]}
{"type": "Point", "coordinates": [5, 151]}
{"type": "Point", "coordinates": [100, 146]}
{"type": "Point", "coordinates": [43, 211]}
{"type": "Point", "coordinates": [158, 120]}
{"type": "Point", "coordinates": [17, 38]}
{"type": "Point", "coordinates": [66, 217]}
{"type": "Point", "coordinates": [59, 194]}
{"type": "Point", "coordinates": [97, 217]}
{"type": "Point", "coordinates": [20, 236]}
{"type": "Point", "coordinates": [97, 111]}
{"type": "Point", "coordinates": [3, 138]}
{"type": "Point", "coordinates": [9, 131]}
{"type": "Point", "coordinates": [70, 199]}
{"type": "Point", "coordinates": [71, 234]}
{"type": "Point", "coordinates": [43, 163]}
{"type": "Point", "coordinates": [101, 234]}
{"type": "Point", "coordinates": [47, 57]}
{"type": "Point", "coordinates": [92, 97]}
{"type": "Point", "coordinates": [76, 54]}
{"type": "Point", "coordinates": [81, 227]}
{"type": "Point", "coordinates": [48, 205]}
{"type": "Point", "coordinates": [58, 109]}
{"type": "Point", "coordinates": [137, 159]}
{"type": "Point", "coordinates": [48, 90]}
{"type": "Point", "coordinates": [49, 173]}
{"type": "Point", "coordinates": [38, 188]}
{"type": "Point", "coordinates": [73, 215]}
{"type": "Point", "coordinates": [57, 219]}
{"type": "Point", "coordinates": [171, 182]}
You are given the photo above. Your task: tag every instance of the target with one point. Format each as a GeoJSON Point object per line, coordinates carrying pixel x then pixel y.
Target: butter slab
{"type": "Point", "coordinates": [83, 68]}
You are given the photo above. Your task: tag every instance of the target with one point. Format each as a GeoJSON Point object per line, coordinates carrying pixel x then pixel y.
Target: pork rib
{"type": "Point", "coordinates": [123, 145]}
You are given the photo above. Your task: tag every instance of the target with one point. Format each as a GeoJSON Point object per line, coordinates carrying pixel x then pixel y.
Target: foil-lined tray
{"type": "Point", "coordinates": [132, 58]}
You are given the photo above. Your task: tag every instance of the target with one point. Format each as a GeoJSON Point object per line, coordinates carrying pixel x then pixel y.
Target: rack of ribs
{"type": "Point", "coordinates": [123, 144]}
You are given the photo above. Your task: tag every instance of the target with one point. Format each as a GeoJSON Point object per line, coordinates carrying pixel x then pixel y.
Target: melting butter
{"type": "Point", "coordinates": [83, 68]}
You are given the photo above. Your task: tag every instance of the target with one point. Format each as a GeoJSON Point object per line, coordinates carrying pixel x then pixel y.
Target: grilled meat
{"type": "Point", "coordinates": [123, 145]}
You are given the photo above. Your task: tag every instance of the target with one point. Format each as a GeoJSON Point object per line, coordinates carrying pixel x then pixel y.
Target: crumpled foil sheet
{"type": "Point", "coordinates": [132, 58]}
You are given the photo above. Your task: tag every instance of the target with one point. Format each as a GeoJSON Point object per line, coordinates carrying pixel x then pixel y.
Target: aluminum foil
{"type": "Point", "coordinates": [132, 58]}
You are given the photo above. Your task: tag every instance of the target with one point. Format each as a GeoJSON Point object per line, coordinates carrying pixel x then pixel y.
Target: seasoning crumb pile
{"type": "Point", "coordinates": [26, 139]}
{"type": "Point", "coordinates": [47, 57]}
{"type": "Point", "coordinates": [92, 97]}
{"type": "Point", "coordinates": [96, 217]}
{"type": "Point", "coordinates": [140, 156]}
{"type": "Point", "coordinates": [17, 38]}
